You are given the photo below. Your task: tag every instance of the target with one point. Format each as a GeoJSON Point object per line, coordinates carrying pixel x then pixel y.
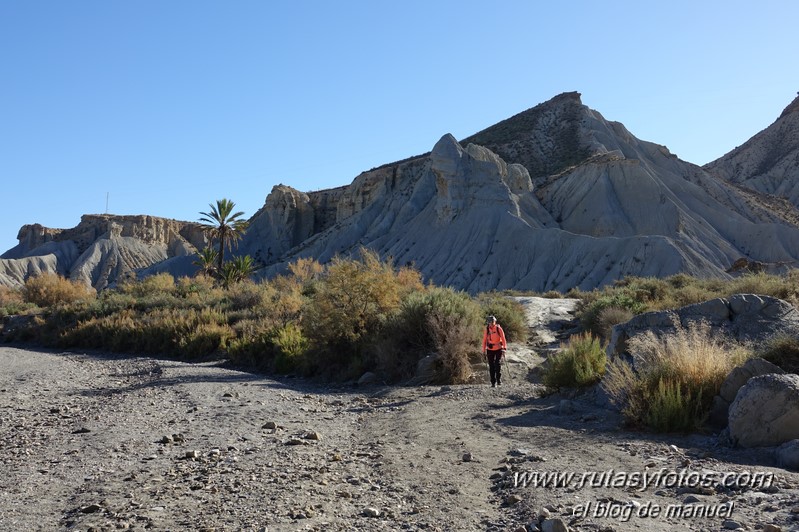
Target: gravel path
{"type": "Point", "coordinates": [105, 442]}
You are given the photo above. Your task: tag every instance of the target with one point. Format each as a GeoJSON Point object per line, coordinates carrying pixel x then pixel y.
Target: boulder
{"type": "Point", "coordinates": [367, 378]}
{"type": "Point", "coordinates": [742, 317]}
{"type": "Point", "coordinates": [426, 370]}
{"type": "Point", "coordinates": [766, 411]}
{"type": "Point", "coordinates": [787, 455]}
{"type": "Point", "coordinates": [739, 376]}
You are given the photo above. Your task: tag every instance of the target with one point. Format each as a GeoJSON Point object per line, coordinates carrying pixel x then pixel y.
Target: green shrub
{"type": "Point", "coordinates": [12, 302]}
{"type": "Point", "coordinates": [354, 299]}
{"type": "Point", "coordinates": [181, 333]}
{"type": "Point", "coordinates": [247, 294]}
{"type": "Point", "coordinates": [435, 320]}
{"type": "Point", "coordinates": [610, 316]}
{"type": "Point", "coordinates": [783, 350]}
{"type": "Point", "coordinates": [589, 311]}
{"type": "Point", "coordinates": [291, 347]}
{"type": "Point", "coordinates": [579, 363]}
{"type": "Point", "coordinates": [691, 363]}
{"type": "Point", "coordinates": [673, 410]}
{"type": "Point", "coordinates": [552, 294]}
{"type": "Point", "coordinates": [49, 289]}
{"type": "Point", "coordinates": [154, 285]}
{"type": "Point", "coordinates": [509, 314]}
{"type": "Point", "coordinates": [197, 287]}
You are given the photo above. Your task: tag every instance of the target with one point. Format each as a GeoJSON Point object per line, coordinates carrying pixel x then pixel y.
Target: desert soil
{"type": "Point", "coordinates": [95, 441]}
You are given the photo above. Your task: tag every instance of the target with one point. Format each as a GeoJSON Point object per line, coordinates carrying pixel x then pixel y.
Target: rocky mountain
{"type": "Point", "coordinates": [553, 198]}
{"type": "Point", "coordinates": [598, 204]}
{"type": "Point", "coordinates": [769, 161]}
{"type": "Point", "coordinates": [100, 249]}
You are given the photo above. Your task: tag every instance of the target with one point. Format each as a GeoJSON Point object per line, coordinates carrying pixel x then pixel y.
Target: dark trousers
{"type": "Point", "coordinates": [494, 365]}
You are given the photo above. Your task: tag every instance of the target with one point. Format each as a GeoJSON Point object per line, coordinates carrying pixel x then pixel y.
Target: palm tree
{"type": "Point", "coordinates": [237, 270]}
{"type": "Point", "coordinates": [224, 225]}
{"type": "Point", "coordinates": [206, 261]}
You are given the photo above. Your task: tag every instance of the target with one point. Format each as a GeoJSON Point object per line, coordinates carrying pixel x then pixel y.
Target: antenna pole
{"type": "Point", "coordinates": [106, 201]}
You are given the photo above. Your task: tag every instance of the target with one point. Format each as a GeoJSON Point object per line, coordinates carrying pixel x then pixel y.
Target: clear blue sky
{"type": "Point", "coordinates": [169, 105]}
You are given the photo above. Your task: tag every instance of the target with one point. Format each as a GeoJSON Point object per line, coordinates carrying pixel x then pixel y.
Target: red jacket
{"type": "Point", "coordinates": [494, 338]}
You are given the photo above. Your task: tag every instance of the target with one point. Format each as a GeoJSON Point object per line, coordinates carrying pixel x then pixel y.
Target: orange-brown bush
{"type": "Point", "coordinates": [49, 289]}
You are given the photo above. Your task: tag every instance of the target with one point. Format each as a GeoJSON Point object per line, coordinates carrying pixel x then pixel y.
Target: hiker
{"type": "Point", "coordinates": [494, 346]}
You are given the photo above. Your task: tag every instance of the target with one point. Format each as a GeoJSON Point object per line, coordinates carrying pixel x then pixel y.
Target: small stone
{"type": "Point", "coordinates": [166, 439]}
{"type": "Point", "coordinates": [730, 524]}
{"type": "Point", "coordinates": [554, 525]}
{"type": "Point", "coordinates": [371, 512]}
{"type": "Point", "coordinates": [513, 499]}
{"type": "Point", "coordinates": [192, 455]}
{"type": "Point", "coordinates": [82, 430]}
{"type": "Point", "coordinates": [467, 457]}
{"type": "Point", "coordinates": [311, 435]}
{"type": "Point", "coordinates": [771, 528]}
{"type": "Point", "coordinates": [294, 441]}
{"type": "Point", "coordinates": [90, 509]}
{"type": "Point", "coordinates": [270, 425]}
{"type": "Point", "coordinates": [691, 499]}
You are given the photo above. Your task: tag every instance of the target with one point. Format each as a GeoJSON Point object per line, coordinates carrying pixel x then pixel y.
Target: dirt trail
{"type": "Point", "coordinates": [102, 442]}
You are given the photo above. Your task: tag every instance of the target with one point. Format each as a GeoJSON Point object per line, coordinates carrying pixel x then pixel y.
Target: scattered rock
{"type": "Point", "coordinates": [467, 457]}
{"type": "Point", "coordinates": [311, 435]}
{"type": "Point", "coordinates": [270, 425]}
{"type": "Point", "coordinates": [371, 512]}
{"type": "Point", "coordinates": [513, 499]}
{"type": "Point", "coordinates": [787, 455]}
{"type": "Point", "coordinates": [554, 525]}
{"type": "Point", "coordinates": [731, 524]}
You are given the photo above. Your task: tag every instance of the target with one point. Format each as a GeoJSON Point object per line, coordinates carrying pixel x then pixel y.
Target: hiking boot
{"type": "Point", "coordinates": [493, 385]}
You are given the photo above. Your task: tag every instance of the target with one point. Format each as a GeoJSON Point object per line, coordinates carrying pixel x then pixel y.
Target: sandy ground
{"type": "Point", "coordinates": [105, 442]}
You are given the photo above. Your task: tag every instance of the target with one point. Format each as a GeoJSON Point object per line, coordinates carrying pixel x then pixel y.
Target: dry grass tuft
{"type": "Point", "coordinates": [673, 378]}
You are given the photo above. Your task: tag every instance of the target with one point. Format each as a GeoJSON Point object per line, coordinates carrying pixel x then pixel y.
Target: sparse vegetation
{"type": "Point", "coordinates": [49, 290]}
{"type": "Point", "coordinates": [670, 382]}
{"type": "Point", "coordinates": [783, 350]}
{"type": "Point", "coordinates": [579, 363]}
{"type": "Point", "coordinates": [12, 302]}
{"type": "Point", "coordinates": [333, 321]}
{"type": "Point", "coordinates": [645, 294]}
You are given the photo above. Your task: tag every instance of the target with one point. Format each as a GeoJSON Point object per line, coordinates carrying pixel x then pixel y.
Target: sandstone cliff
{"type": "Point", "coordinates": [99, 249]}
